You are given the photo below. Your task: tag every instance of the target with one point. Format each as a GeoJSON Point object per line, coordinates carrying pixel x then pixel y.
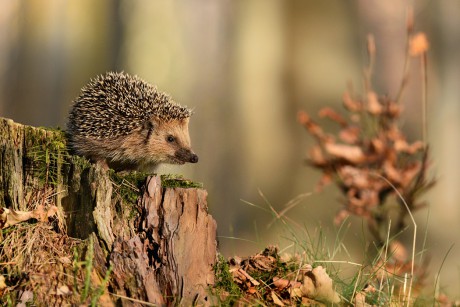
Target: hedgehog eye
{"type": "Point", "coordinates": [170, 139]}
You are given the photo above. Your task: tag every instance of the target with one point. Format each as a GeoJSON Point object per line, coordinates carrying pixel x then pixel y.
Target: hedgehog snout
{"type": "Point", "coordinates": [186, 155]}
{"type": "Point", "coordinates": [194, 158]}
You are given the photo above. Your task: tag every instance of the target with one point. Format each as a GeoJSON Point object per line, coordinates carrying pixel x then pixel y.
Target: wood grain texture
{"type": "Point", "coordinates": [177, 241]}
{"type": "Point", "coordinates": [161, 248]}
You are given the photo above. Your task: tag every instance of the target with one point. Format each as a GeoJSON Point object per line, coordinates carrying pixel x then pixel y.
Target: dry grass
{"type": "Point", "coordinates": [40, 264]}
{"type": "Point", "coordinates": [37, 259]}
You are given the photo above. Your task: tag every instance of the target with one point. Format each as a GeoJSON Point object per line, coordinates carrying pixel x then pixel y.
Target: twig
{"type": "Point", "coordinates": [423, 63]}
{"type": "Point", "coordinates": [132, 299]}
{"type": "Point", "coordinates": [369, 70]}
{"type": "Point", "coordinates": [410, 29]}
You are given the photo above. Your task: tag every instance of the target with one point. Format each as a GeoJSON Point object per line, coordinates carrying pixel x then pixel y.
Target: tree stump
{"type": "Point", "coordinates": [154, 233]}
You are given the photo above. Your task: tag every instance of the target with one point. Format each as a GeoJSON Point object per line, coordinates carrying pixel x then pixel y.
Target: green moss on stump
{"type": "Point", "coordinates": [178, 181]}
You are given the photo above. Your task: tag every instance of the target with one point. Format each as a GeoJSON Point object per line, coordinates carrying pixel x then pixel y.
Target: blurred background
{"type": "Point", "coordinates": [246, 67]}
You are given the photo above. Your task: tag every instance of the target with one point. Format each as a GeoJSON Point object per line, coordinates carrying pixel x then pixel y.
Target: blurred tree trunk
{"type": "Point", "coordinates": [159, 241]}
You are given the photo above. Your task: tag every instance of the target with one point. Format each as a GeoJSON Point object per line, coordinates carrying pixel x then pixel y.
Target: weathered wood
{"type": "Point", "coordinates": [18, 144]}
{"type": "Point", "coordinates": [173, 250]}
{"type": "Point", "coordinates": [161, 247]}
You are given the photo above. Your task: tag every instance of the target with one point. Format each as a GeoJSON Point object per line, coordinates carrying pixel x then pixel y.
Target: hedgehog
{"type": "Point", "coordinates": [124, 123]}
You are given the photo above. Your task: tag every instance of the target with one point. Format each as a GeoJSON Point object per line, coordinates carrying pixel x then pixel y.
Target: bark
{"type": "Point", "coordinates": [176, 240]}
{"type": "Point", "coordinates": [159, 241]}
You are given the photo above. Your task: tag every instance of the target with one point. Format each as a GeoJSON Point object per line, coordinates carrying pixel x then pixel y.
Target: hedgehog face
{"type": "Point", "coordinates": [169, 141]}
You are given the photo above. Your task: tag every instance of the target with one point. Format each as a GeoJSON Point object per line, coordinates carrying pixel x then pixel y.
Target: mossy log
{"type": "Point", "coordinates": [154, 233]}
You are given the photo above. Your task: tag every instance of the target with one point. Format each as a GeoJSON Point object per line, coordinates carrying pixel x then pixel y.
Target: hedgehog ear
{"type": "Point", "coordinates": [148, 126]}
{"type": "Point", "coordinates": [147, 130]}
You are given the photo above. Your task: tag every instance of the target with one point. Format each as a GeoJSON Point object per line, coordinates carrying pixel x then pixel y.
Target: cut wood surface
{"type": "Point", "coordinates": [159, 241]}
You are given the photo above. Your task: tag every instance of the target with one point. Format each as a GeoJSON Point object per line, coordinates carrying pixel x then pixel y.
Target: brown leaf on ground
{"type": "Point", "coordinates": [443, 300]}
{"type": "Point", "coordinates": [248, 277]}
{"type": "Point", "coordinates": [276, 299]}
{"type": "Point", "coordinates": [2, 284]}
{"type": "Point", "coordinates": [318, 285]}
{"type": "Point", "coordinates": [9, 217]}
{"type": "Point", "coordinates": [283, 283]}
{"type": "Point", "coordinates": [36, 250]}
{"type": "Point", "coordinates": [63, 290]}
{"type": "Point", "coordinates": [360, 300]}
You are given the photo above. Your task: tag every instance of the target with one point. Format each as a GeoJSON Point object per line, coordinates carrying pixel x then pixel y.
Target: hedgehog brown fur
{"type": "Point", "coordinates": [125, 122]}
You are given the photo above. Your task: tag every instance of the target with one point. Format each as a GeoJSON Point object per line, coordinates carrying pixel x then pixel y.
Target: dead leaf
{"type": "Point", "coordinates": [331, 114]}
{"type": "Point", "coordinates": [42, 213]}
{"type": "Point", "coordinates": [378, 146]}
{"type": "Point", "coordinates": [303, 117]}
{"type": "Point", "coordinates": [295, 292]}
{"type": "Point", "coordinates": [2, 283]}
{"type": "Point", "coordinates": [403, 146]}
{"type": "Point", "coordinates": [352, 154]}
{"type": "Point", "coordinates": [276, 299]}
{"type": "Point", "coordinates": [418, 44]}
{"type": "Point", "coordinates": [313, 128]}
{"type": "Point", "coordinates": [373, 105]}
{"type": "Point", "coordinates": [398, 252]}
{"type": "Point", "coordinates": [249, 277]}
{"type": "Point", "coordinates": [341, 216]}
{"type": "Point", "coordinates": [63, 290]}
{"type": "Point", "coordinates": [10, 217]}
{"type": "Point", "coordinates": [360, 299]}
{"type": "Point", "coordinates": [354, 177]}
{"type": "Point", "coordinates": [351, 104]}
{"type": "Point", "coordinates": [309, 302]}
{"type": "Point", "coordinates": [26, 298]}
{"type": "Point", "coordinates": [282, 283]}
{"type": "Point", "coordinates": [410, 172]}
{"type": "Point", "coordinates": [393, 109]}
{"type": "Point", "coordinates": [263, 262]}
{"type": "Point", "coordinates": [392, 173]}
{"type": "Point", "coordinates": [319, 286]}
{"type": "Point", "coordinates": [316, 156]}
{"type": "Point", "coordinates": [443, 301]}
{"type": "Point", "coordinates": [324, 290]}
{"type": "Point", "coordinates": [393, 133]}
{"type": "Point", "coordinates": [350, 134]}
